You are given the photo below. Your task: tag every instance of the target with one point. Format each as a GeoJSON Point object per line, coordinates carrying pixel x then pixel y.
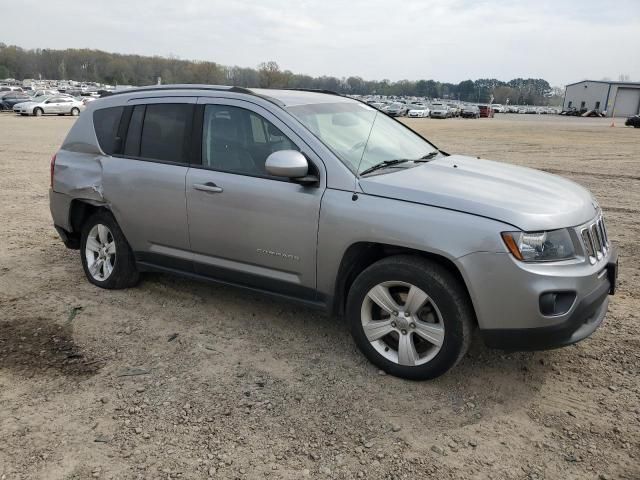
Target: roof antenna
{"type": "Point", "coordinates": [354, 196]}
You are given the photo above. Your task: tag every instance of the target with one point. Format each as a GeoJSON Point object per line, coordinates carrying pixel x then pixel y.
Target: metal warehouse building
{"type": "Point", "coordinates": [621, 99]}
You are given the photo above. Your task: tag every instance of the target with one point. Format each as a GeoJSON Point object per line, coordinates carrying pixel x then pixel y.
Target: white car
{"type": "Point", "coordinates": [454, 109]}
{"type": "Point", "coordinates": [55, 105]}
{"type": "Point", "coordinates": [419, 111]}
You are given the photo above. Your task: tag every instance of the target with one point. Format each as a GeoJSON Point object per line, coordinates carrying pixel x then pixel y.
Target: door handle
{"type": "Point", "coordinates": [208, 187]}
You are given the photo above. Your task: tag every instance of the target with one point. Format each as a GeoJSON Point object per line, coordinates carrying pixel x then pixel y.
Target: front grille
{"type": "Point", "coordinates": [595, 240]}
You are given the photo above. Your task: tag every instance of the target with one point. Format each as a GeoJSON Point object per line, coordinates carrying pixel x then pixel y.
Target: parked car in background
{"type": "Point", "coordinates": [396, 109]}
{"type": "Point", "coordinates": [485, 111]}
{"type": "Point", "coordinates": [633, 121]}
{"type": "Point", "coordinates": [454, 109]}
{"type": "Point", "coordinates": [43, 93]}
{"type": "Point", "coordinates": [378, 105]}
{"type": "Point", "coordinates": [323, 199]}
{"type": "Point", "coordinates": [419, 111]}
{"type": "Point", "coordinates": [9, 99]}
{"type": "Point", "coordinates": [440, 110]}
{"type": "Point", "coordinates": [470, 111]}
{"type": "Point", "coordinates": [54, 105]}
{"type": "Point", "coordinates": [497, 108]}
{"type": "Point", "coordinates": [86, 100]}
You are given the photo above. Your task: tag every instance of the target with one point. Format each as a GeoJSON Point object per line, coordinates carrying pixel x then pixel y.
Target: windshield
{"type": "Point", "coordinates": [360, 135]}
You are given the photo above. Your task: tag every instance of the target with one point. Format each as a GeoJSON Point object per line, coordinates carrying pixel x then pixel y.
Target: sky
{"type": "Point", "coordinates": [562, 41]}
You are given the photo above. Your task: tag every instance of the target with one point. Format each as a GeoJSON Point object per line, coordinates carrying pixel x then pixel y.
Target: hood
{"type": "Point", "coordinates": [523, 197]}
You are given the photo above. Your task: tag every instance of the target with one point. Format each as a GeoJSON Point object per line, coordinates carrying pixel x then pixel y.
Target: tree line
{"type": "Point", "coordinates": [87, 65]}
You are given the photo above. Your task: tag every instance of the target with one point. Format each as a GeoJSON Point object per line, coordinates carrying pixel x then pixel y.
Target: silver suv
{"type": "Point", "coordinates": [322, 199]}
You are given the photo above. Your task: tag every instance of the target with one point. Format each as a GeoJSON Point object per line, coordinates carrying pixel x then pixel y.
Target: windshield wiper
{"type": "Point", "coordinates": [428, 156]}
{"type": "Point", "coordinates": [388, 163]}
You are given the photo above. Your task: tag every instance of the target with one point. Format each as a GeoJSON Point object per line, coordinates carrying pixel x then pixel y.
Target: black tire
{"type": "Point", "coordinates": [38, 112]}
{"type": "Point", "coordinates": [75, 112]}
{"type": "Point", "coordinates": [124, 274]}
{"type": "Point", "coordinates": [447, 292]}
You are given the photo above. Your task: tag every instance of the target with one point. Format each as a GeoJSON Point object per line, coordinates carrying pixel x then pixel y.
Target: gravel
{"type": "Point", "coordinates": [253, 387]}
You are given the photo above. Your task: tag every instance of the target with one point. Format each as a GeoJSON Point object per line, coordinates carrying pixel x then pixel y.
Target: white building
{"type": "Point", "coordinates": [621, 99]}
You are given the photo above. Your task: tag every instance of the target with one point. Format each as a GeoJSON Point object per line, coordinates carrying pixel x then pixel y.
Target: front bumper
{"type": "Point", "coordinates": [508, 301]}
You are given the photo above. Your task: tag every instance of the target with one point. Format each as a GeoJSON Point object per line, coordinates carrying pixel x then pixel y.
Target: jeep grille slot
{"type": "Point", "coordinates": [595, 239]}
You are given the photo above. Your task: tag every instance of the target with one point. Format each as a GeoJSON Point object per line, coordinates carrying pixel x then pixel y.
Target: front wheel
{"type": "Point", "coordinates": [38, 112]}
{"type": "Point", "coordinates": [106, 256]}
{"type": "Point", "coordinates": [75, 112]}
{"type": "Point", "coordinates": [411, 317]}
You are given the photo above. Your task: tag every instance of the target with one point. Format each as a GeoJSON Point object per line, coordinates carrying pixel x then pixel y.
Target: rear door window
{"type": "Point", "coordinates": [106, 122]}
{"type": "Point", "coordinates": [165, 131]}
{"type": "Point", "coordinates": [132, 145]}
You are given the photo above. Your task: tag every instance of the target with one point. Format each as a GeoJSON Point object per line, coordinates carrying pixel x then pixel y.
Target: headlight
{"type": "Point", "coordinates": [540, 246]}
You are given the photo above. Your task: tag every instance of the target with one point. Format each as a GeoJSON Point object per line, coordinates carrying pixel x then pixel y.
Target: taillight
{"type": "Point", "coordinates": [52, 166]}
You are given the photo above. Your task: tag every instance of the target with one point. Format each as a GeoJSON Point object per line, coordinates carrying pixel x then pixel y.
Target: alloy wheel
{"type": "Point", "coordinates": [402, 323]}
{"type": "Point", "coordinates": [100, 252]}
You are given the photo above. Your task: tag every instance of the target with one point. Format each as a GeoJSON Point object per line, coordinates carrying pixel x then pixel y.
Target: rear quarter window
{"type": "Point", "coordinates": [106, 122]}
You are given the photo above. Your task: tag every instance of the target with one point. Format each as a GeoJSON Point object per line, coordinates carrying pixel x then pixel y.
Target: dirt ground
{"type": "Point", "coordinates": [178, 379]}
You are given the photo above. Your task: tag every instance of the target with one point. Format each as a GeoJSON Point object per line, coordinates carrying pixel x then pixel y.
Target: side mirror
{"type": "Point", "coordinates": [287, 163]}
{"type": "Point", "coordinates": [290, 164]}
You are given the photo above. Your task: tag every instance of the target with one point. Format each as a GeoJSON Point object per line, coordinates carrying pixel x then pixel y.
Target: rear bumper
{"type": "Point", "coordinates": [60, 206]}
{"type": "Point", "coordinates": [69, 240]}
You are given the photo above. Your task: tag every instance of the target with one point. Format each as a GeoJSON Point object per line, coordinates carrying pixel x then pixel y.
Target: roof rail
{"type": "Point", "coordinates": [315, 90]}
{"type": "Point", "coordinates": [181, 86]}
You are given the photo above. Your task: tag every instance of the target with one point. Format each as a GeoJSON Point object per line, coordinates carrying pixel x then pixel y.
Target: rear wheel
{"type": "Point", "coordinates": [75, 111]}
{"type": "Point", "coordinates": [410, 317]}
{"type": "Point", "coordinates": [38, 112]}
{"type": "Point", "coordinates": [107, 259]}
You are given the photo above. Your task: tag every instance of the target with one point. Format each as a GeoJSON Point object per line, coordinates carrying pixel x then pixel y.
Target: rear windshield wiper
{"type": "Point", "coordinates": [388, 163]}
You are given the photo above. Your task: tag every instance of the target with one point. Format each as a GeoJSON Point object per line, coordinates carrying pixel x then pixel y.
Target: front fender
{"type": "Point", "coordinates": [438, 231]}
